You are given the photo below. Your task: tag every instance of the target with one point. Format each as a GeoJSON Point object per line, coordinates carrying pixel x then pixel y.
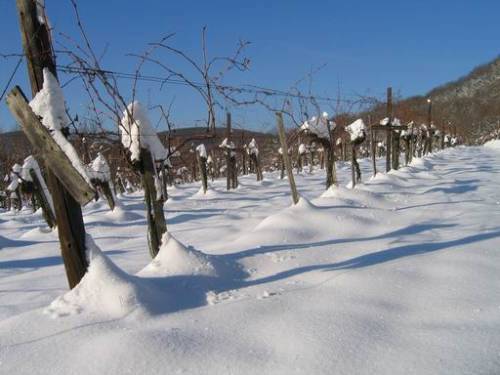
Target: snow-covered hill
{"type": "Point", "coordinates": [398, 276]}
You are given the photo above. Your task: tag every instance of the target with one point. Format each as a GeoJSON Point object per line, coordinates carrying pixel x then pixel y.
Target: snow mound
{"type": "Point", "coordinates": [37, 232]}
{"type": "Point", "coordinates": [494, 144]}
{"type": "Point", "coordinates": [120, 214]}
{"type": "Point", "coordinates": [175, 259]}
{"type": "Point", "coordinates": [104, 290]}
{"type": "Point", "coordinates": [357, 197]}
{"type": "Point", "coordinates": [200, 194]}
{"type": "Point", "coordinates": [295, 223]}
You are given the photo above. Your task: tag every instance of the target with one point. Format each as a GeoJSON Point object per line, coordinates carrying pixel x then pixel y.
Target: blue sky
{"type": "Point", "coordinates": [367, 45]}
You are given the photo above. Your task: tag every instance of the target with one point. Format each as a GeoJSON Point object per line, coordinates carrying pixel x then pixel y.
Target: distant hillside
{"type": "Point", "coordinates": [483, 82]}
{"type": "Point", "coordinates": [472, 103]}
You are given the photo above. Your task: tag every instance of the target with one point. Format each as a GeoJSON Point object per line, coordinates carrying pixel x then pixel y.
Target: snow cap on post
{"type": "Point", "coordinates": [100, 168]}
{"type": "Point", "coordinates": [227, 144]}
{"type": "Point", "coordinates": [48, 104]}
{"type": "Point", "coordinates": [201, 150]}
{"type": "Point", "coordinates": [357, 130]}
{"type": "Point", "coordinates": [136, 133]}
{"type": "Point", "coordinates": [318, 126]}
{"type": "Point", "coordinates": [302, 149]}
{"type": "Point", "coordinates": [252, 148]}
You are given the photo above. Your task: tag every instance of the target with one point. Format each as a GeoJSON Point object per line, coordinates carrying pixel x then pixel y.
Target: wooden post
{"type": "Point", "coordinates": [202, 165]}
{"type": "Point", "coordinates": [164, 190]}
{"type": "Point", "coordinates": [106, 191]}
{"type": "Point", "coordinates": [373, 150]}
{"type": "Point", "coordinates": [154, 206]}
{"type": "Point", "coordinates": [353, 162]}
{"type": "Point", "coordinates": [430, 139]}
{"type": "Point", "coordinates": [332, 171]}
{"type": "Point", "coordinates": [395, 149]}
{"type": "Point", "coordinates": [244, 167]}
{"type": "Point", "coordinates": [388, 131]}
{"type": "Point", "coordinates": [408, 150]}
{"type": "Point", "coordinates": [286, 157]}
{"type": "Point", "coordinates": [441, 138]}
{"type": "Point", "coordinates": [282, 167]}
{"type": "Point", "coordinates": [71, 230]}
{"type": "Point", "coordinates": [228, 152]}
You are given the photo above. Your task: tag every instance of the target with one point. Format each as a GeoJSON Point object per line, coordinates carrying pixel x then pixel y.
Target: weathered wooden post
{"type": "Point", "coordinates": [154, 206]}
{"type": "Point", "coordinates": [244, 154]}
{"type": "Point", "coordinates": [442, 134]}
{"type": "Point", "coordinates": [353, 166]}
{"type": "Point", "coordinates": [312, 155]}
{"type": "Point", "coordinates": [331, 126]}
{"type": "Point", "coordinates": [119, 184]}
{"type": "Point", "coordinates": [357, 132]}
{"type": "Point", "coordinates": [321, 152]}
{"type": "Point", "coordinates": [71, 230]}
{"type": "Point", "coordinates": [430, 137]}
{"type": "Point", "coordinates": [101, 178]}
{"type": "Point", "coordinates": [301, 150]}
{"type": "Point", "coordinates": [388, 131]}
{"type": "Point", "coordinates": [253, 152]}
{"type": "Point", "coordinates": [201, 156]}
{"type": "Point", "coordinates": [286, 157]}
{"type": "Point", "coordinates": [144, 151]}
{"type": "Point", "coordinates": [164, 178]}
{"type": "Point", "coordinates": [373, 149]}
{"type": "Point", "coordinates": [282, 163]}
{"type": "Point", "coordinates": [406, 135]}
{"type": "Point", "coordinates": [231, 173]}
{"type": "Point", "coordinates": [228, 152]}
{"type": "Point", "coordinates": [395, 144]}
{"type": "Point", "coordinates": [211, 167]}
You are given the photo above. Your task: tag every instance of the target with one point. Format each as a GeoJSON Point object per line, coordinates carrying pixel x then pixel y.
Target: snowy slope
{"type": "Point", "coordinates": [398, 276]}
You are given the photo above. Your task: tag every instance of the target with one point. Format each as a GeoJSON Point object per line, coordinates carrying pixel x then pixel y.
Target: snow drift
{"type": "Point", "coordinates": [174, 259]}
{"type": "Point", "coordinates": [105, 290]}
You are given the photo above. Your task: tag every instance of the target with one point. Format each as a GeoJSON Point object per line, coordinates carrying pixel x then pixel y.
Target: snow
{"type": "Point", "coordinates": [396, 276]}
{"type": "Point", "coordinates": [14, 184]}
{"type": "Point", "coordinates": [227, 144]}
{"type": "Point", "coordinates": [49, 105]}
{"type": "Point", "coordinates": [395, 121]}
{"type": "Point", "coordinates": [174, 259]}
{"type": "Point", "coordinates": [318, 126]}
{"type": "Point", "coordinates": [357, 130]}
{"type": "Point", "coordinates": [14, 178]}
{"type": "Point", "coordinates": [201, 150]}
{"type": "Point", "coordinates": [252, 148]}
{"type": "Point", "coordinates": [16, 168]}
{"type": "Point", "coordinates": [99, 169]}
{"type": "Point", "coordinates": [302, 149]}
{"type": "Point", "coordinates": [137, 132]}
{"type": "Point", "coordinates": [30, 163]}
{"type": "Point", "coordinates": [493, 145]}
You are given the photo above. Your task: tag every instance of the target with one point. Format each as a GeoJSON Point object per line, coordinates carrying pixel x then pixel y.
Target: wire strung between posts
{"type": "Point", "coordinates": [249, 89]}
{"type": "Point", "coordinates": [11, 77]}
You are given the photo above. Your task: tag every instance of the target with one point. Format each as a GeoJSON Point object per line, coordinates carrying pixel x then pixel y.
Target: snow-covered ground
{"type": "Point", "coordinates": [398, 276]}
